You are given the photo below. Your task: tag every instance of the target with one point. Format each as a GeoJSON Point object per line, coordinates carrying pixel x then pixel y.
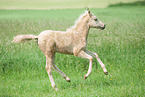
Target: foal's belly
{"type": "Point", "coordinates": [65, 50]}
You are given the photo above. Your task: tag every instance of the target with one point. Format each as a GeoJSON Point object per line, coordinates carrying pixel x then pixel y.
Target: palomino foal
{"type": "Point", "coordinates": [73, 41]}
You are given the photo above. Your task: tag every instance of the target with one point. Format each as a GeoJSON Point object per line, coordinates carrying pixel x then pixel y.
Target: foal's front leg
{"type": "Point", "coordinates": [100, 62]}
{"type": "Point", "coordinates": [83, 54]}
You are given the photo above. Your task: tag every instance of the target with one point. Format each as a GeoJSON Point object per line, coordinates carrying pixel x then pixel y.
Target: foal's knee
{"type": "Point", "coordinates": [91, 58]}
{"type": "Point", "coordinates": [96, 55]}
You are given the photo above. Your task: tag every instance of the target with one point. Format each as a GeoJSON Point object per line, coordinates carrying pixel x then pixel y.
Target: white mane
{"type": "Point", "coordinates": [81, 17]}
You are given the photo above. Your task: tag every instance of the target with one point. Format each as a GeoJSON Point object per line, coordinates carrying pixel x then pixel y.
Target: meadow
{"type": "Point", "coordinates": [121, 47]}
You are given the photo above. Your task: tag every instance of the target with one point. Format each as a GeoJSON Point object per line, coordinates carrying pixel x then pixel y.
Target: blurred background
{"type": "Point", "coordinates": [60, 4]}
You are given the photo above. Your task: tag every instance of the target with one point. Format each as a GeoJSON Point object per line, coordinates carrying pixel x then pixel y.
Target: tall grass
{"type": "Point", "coordinates": [120, 46]}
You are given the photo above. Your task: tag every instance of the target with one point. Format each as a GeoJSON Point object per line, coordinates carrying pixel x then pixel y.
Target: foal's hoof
{"type": "Point", "coordinates": [67, 79]}
{"type": "Point", "coordinates": [106, 73]}
{"type": "Point", "coordinates": [85, 77]}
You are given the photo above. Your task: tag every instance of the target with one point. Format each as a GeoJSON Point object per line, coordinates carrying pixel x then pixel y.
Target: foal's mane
{"type": "Point", "coordinates": [81, 17]}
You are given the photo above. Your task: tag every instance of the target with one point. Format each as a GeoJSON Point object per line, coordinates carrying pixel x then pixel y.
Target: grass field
{"type": "Point", "coordinates": [121, 46]}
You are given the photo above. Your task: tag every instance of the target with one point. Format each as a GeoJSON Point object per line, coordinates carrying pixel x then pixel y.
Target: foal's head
{"type": "Point", "coordinates": [94, 22]}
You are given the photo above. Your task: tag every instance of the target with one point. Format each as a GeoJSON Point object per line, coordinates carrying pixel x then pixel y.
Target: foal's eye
{"type": "Point", "coordinates": [95, 19]}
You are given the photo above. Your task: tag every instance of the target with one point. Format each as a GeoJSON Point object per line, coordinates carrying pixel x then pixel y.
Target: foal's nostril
{"type": "Point", "coordinates": [104, 25]}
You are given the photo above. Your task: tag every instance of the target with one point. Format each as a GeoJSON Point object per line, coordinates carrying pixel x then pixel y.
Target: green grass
{"type": "Point", "coordinates": [120, 46]}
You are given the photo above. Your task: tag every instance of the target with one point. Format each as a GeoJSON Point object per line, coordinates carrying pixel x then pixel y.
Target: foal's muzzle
{"type": "Point", "coordinates": [103, 27]}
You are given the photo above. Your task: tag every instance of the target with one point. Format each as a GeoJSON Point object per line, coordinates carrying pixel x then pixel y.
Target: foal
{"type": "Point", "coordinates": [73, 41]}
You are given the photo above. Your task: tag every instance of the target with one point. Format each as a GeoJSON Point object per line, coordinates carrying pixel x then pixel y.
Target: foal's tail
{"type": "Point", "coordinates": [20, 38]}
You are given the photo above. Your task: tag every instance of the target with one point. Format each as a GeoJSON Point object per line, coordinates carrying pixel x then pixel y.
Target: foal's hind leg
{"type": "Point", "coordinates": [61, 73]}
{"type": "Point", "coordinates": [101, 63]}
{"type": "Point", "coordinates": [58, 70]}
{"type": "Point", "coordinates": [49, 63]}
{"type": "Point", "coordinates": [83, 54]}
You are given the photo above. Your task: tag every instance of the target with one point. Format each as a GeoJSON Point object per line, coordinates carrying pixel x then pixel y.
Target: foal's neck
{"type": "Point", "coordinates": [83, 29]}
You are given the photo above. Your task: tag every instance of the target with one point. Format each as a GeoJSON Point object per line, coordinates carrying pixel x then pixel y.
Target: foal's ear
{"type": "Point", "coordinates": [89, 12]}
